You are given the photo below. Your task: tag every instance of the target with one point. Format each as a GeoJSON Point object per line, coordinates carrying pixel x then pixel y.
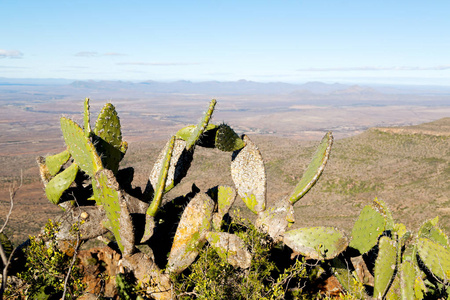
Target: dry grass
{"type": "Point", "coordinates": [410, 170]}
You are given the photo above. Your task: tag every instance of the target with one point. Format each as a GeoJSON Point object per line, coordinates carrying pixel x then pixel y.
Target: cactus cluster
{"type": "Point", "coordinates": [88, 171]}
{"type": "Point", "coordinates": [390, 261]}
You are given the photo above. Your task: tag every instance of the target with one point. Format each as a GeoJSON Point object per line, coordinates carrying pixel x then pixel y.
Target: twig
{"type": "Point", "coordinates": [75, 253]}
{"type": "Point", "coordinates": [74, 258]}
{"type": "Point", "coordinates": [12, 194]}
{"type": "Point", "coordinates": [6, 261]}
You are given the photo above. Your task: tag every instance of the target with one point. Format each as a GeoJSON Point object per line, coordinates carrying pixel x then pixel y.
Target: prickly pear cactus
{"type": "Point", "coordinates": [179, 164]}
{"type": "Point", "coordinates": [60, 183]}
{"type": "Point", "coordinates": [316, 242]}
{"type": "Point", "coordinates": [435, 257]}
{"type": "Point", "coordinates": [369, 226]}
{"type": "Point", "coordinates": [114, 204]}
{"type": "Point", "coordinates": [431, 231]}
{"type": "Point", "coordinates": [276, 219]}
{"type": "Point", "coordinates": [314, 170]}
{"type": "Point", "coordinates": [201, 127]}
{"type": "Point", "coordinates": [225, 197]}
{"type": "Point", "coordinates": [80, 147]}
{"type": "Point", "coordinates": [407, 275]}
{"type": "Point", "coordinates": [191, 233]}
{"type": "Point", "coordinates": [55, 162]}
{"type": "Point", "coordinates": [160, 185]}
{"type": "Point", "coordinates": [227, 139]}
{"type": "Point", "coordinates": [385, 266]}
{"type": "Point", "coordinates": [249, 176]}
{"type": "Point", "coordinates": [87, 118]}
{"type": "Point", "coordinates": [108, 138]}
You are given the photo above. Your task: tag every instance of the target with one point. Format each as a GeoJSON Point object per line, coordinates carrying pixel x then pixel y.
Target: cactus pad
{"type": "Point", "coordinates": [61, 182]}
{"type": "Point", "coordinates": [316, 242]}
{"type": "Point", "coordinates": [431, 231]}
{"type": "Point", "coordinates": [225, 197]}
{"type": "Point", "coordinates": [195, 222]}
{"type": "Point", "coordinates": [201, 127]}
{"type": "Point", "coordinates": [107, 191]}
{"type": "Point", "coordinates": [80, 147]}
{"type": "Point", "coordinates": [179, 164]}
{"type": "Point", "coordinates": [385, 266]}
{"type": "Point", "coordinates": [249, 176]}
{"type": "Point", "coordinates": [435, 257]}
{"type": "Point", "coordinates": [369, 226]}
{"type": "Point", "coordinates": [382, 208]}
{"type": "Point", "coordinates": [407, 278]}
{"type": "Point", "coordinates": [314, 170]}
{"type": "Point", "coordinates": [227, 139]}
{"type": "Point", "coordinates": [55, 162]}
{"type": "Point", "coordinates": [86, 118]}
{"type": "Point", "coordinates": [230, 248]}
{"type": "Point", "coordinates": [275, 219]}
{"type": "Point", "coordinates": [186, 132]}
{"type": "Point", "coordinates": [108, 136]}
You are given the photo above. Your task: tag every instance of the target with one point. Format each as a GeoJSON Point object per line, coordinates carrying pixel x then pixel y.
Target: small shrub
{"type": "Point", "coordinates": [211, 277]}
{"type": "Point", "coordinates": [46, 268]}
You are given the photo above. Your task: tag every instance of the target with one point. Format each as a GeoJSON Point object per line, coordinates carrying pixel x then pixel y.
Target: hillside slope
{"type": "Point", "coordinates": [408, 167]}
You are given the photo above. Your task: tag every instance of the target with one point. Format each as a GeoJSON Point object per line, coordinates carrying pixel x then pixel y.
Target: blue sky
{"type": "Point", "coordinates": [292, 41]}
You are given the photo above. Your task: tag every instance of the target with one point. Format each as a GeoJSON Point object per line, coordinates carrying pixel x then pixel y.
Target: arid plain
{"type": "Point", "coordinates": [408, 166]}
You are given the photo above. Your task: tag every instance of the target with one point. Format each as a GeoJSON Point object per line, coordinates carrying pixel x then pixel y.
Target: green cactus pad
{"type": "Point", "coordinates": [191, 233]}
{"type": "Point", "coordinates": [407, 276]}
{"type": "Point", "coordinates": [108, 194]}
{"type": "Point", "coordinates": [107, 126]}
{"type": "Point", "coordinates": [201, 127]}
{"type": "Point", "coordinates": [227, 140]}
{"type": "Point", "coordinates": [225, 197]}
{"type": "Point", "coordinates": [61, 182]}
{"type": "Point", "coordinates": [385, 266]}
{"type": "Point", "coordinates": [186, 132]}
{"type": "Point", "coordinates": [249, 176]}
{"type": "Point", "coordinates": [314, 170]}
{"type": "Point", "coordinates": [369, 226]}
{"type": "Point", "coordinates": [179, 164]}
{"type": "Point", "coordinates": [161, 184]}
{"type": "Point", "coordinates": [431, 231]}
{"type": "Point", "coordinates": [55, 162]}
{"type": "Point", "coordinates": [382, 208]}
{"type": "Point", "coordinates": [80, 147]}
{"type": "Point", "coordinates": [316, 242]}
{"type": "Point", "coordinates": [394, 292]}
{"type": "Point", "coordinates": [108, 137]}
{"type": "Point", "coordinates": [419, 288]}
{"type": "Point", "coordinates": [159, 191]}
{"type": "Point", "coordinates": [435, 257]}
{"type": "Point", "coordinates": [230, 248]}
{"type": "Point", "coordinates": [275, 219]}
{"type": "Point", "coordinates": [86, 118]}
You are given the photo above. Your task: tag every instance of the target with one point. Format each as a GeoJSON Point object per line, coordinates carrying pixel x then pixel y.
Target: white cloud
{"type": "Point", "coordinates": [113, 54]}
{"type": "Point", "coordinates": [402, 68]}
{"type": "Point", "coordinates": [12, 67]}
{"type": "Point", "coordinates": [10, 53]}
{"type": "Point", "coordinates": [96, 54]}
{"type": "Point", "coordinates": [86, 54]}
{"type": "Point", "coordinates": [156, 64]}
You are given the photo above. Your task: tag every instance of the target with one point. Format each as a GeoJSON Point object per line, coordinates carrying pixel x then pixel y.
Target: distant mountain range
{"type": "Point", "coordinates": [310, 92]}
